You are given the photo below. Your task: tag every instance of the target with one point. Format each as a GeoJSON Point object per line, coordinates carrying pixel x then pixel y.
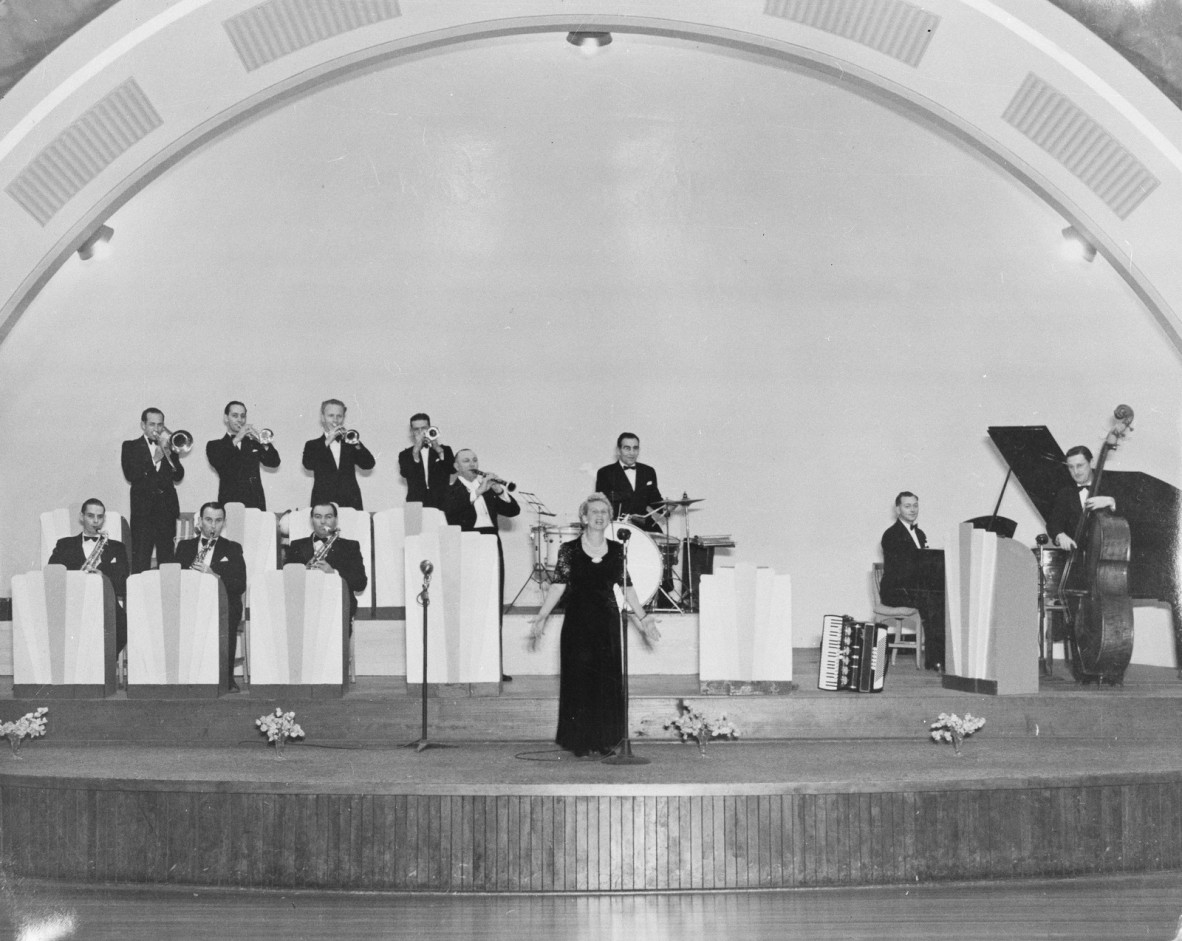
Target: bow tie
{"type": "Point", "coordinates": [319, 539]}
{"type": "Point", "coordinates": [914, 527]}
{"type": "Point", "coordinates": [90, 538]}
{"type": "Point", "coordinates": [1082, 486]}
{"type": "Point", "coordinates": [208, 542]}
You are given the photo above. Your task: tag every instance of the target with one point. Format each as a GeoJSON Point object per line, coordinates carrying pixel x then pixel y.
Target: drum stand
{"type": "Point", "coordinates": [539, 573]}
{"type": "Point", "coordinates": [689, 603]}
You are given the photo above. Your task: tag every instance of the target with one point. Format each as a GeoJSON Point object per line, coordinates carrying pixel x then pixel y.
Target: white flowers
{"type": "Point", "coordinates": [950, 727]}
{"type": "Point", "coordinates": [280, 726]}
{"type": "Point", "coordinates": [691, 724]}
{"type": "Point", "coordinates": [30, 725]}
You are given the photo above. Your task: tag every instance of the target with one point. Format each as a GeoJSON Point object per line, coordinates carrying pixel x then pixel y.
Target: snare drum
{"type": "Point", "coordinates": [644, 560]}
{"type": "Point", "coordinates": [555, 537]}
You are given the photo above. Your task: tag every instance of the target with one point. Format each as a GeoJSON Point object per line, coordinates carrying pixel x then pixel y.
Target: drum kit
{"type": "Point", "coordinates": [652, 557]}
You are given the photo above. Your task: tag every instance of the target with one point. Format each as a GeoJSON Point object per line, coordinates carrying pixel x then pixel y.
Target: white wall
{"type": "Point", "coordinates": [801, 302]}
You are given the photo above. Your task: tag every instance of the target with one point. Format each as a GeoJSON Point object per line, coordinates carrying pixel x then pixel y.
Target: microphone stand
{"type": "Point", "coordinates": [625, 756]}
{"type": "Point", "coordinates": [424, 600]}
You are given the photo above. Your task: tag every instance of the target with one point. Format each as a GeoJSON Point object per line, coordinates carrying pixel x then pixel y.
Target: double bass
{"type": "Point", "coordinates": [1100, 612]}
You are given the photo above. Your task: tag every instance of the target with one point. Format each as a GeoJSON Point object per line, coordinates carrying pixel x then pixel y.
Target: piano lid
{"type": "Point", "coordinates": [1036, 460]}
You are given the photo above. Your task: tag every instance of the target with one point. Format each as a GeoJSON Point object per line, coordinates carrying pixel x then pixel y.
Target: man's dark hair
{"type": "Point", "coordinates": [905, 493]}
{"type": "Point", "coordinates": [230, 405]}
{"type": "Point", "coordinates": [420, 416]}
{"type": "Point", "coordinates": [94, 501]}
{"type": "Point", "coordinates": [627, 434]}
{"type": "Point", "coordinates": [1079, 449]}
{"type": "Point", "coordinates": [211, 505]}
{"type": "Point", "coordinates": [150, 411]}
{"type": "Point", "coordinates": [335, 509]}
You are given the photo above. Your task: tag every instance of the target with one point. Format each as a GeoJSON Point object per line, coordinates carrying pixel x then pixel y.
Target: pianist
{"type": "Point", "coordinates": [912, 578]}
{"type": "Point", "coordinates": [1071, 501]}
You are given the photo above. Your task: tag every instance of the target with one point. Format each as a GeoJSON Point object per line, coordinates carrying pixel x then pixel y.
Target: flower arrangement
{"type": "Point", "coordinates": [689, 723]}
{"type": "Point", "coordinates": [950, 727]}
{"type": "Point", "coordinates": [30, 725]}
{"type": "Point", "coordinates": [279, 727]}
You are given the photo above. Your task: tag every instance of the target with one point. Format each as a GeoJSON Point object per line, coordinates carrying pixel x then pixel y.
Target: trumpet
{"type": "Point", "coordinates": [507, 484]}
{"type": "Point", "coordinates": [431, 434]}
{"type": "Point", "coordinates": [266, 436]}
{"type": "Point", "coordinates": [95, 558]}
{"type": "Point", "coordinates": [180, 440]}
{"type": "Point", "coordinates": [322, 553]}
{"type": "Point", "coordinates": [348, 435]}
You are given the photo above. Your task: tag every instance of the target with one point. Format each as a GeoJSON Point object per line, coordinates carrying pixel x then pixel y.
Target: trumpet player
{"type": "Point", "coordinates": [475, 502]}
{"type": "Point", "coordinates": [90, 551]}
{"type": "Point", "coordinates": [237, 457]}
{"type": "Point", "coordinates": [327, 554]}
{"type": "Point", "coordinates": [427, 465]}
{"type": "Point", "coordinates": [210, 552]}
{"type": "Point", "coordinates": [153, 468]}
{"type": "Point", "coordinates": [334, 457]}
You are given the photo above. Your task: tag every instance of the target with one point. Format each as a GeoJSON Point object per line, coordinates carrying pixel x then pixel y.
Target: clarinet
{"type": "Point", "coordinates": [96, 554]}
{"type": "Point", "coordinates": [322, 552]}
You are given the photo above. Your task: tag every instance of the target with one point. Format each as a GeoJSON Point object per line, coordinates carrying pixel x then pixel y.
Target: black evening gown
{"type": "Point", "coordinates": [591, 691]}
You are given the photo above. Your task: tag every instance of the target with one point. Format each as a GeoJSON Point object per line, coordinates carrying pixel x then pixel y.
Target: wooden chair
{"type": "Point", "coordinates": [905, 623]}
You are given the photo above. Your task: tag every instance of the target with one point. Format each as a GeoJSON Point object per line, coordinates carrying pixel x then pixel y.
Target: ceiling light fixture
{"type": "Point", "coordinates": [588, 43]}
{"type": "Point", "coordinates": [1077, 246]}
{"type": "Point", "coordinates": [100, 237]}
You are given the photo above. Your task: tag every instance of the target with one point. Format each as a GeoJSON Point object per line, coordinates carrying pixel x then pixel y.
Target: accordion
{"type": "Point", "coordinates": [853, 654]}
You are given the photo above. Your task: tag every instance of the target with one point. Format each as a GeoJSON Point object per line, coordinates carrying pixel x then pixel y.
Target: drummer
{"type": "Point", "coordinates": [632, 486]}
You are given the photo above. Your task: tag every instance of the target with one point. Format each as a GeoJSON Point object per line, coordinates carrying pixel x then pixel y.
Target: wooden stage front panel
{"type": "Point", "coordinates": [599, 841]}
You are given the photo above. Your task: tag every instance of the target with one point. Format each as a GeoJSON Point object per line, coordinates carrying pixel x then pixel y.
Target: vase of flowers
{"type": "Point", "coordinates": [279, 726]}
{"type": "Point", "coordinates": [950, 727]}
{"type": "Point", "coordinates": [690, 724]}
{"type": "Point", "coordinates": [30, 725]}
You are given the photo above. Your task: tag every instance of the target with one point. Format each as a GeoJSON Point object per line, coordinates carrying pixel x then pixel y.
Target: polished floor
{"type": "Point", "coordinates": [1090, 909]}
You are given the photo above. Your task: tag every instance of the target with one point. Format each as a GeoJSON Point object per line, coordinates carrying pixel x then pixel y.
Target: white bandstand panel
{"type": "Point", "coordinates": [176, 630]}
{"type": "Point", "coordinates": [254, 530]}
{"type": "Point", "coordinates": [992, 613]}
{"type": "Point", "coordinates": [463, 623]}
{"type": "Point", "coordinates": [63, 631]}
{"type": "Point", "coordinates": [745, 623]}
{"type": "Point", "coordinates": [62, 522]}
{"type": "Point", "coordinates": [354, 524]}
{"type": "Point", "coordinates": [390, 531]}
{"type": "Point", "coordinates": [299, 632]}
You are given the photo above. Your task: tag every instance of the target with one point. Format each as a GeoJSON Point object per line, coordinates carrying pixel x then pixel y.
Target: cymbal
{"type": "Point", "coordinates": [684, 501]}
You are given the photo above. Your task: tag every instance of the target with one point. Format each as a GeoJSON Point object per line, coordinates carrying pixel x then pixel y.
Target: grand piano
{"type": "Point", "coordinates": [1152, 507]}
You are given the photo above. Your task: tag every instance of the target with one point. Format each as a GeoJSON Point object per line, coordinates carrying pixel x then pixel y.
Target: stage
{"type": "Point", "coordinates": [822, 789]}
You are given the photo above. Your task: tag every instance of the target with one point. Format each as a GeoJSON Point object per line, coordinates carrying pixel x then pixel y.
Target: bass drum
{"type": "Point", "coordinates": [555, 537]}
{"type": "Point", "coordinates": [644, 560]}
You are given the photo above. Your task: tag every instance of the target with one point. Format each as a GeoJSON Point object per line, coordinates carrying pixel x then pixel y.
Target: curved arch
{"type": "Point", "coordinates": [114, 106]}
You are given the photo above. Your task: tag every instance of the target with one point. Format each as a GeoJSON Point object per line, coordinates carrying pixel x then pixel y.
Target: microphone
{"type": "Point", "coordinates": [624, 535]}
{"type": "Point", "coordinates": [426, 567]}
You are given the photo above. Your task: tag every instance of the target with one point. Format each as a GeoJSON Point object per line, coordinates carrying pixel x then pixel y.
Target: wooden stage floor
{"type": "Point", "coordinates": [823, 789]}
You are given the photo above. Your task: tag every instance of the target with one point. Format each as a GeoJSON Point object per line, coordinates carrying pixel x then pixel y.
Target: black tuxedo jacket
{"type": "Point", "coordinates": [114, 564]}
{"type": "Point", "coordinates": [240, 480]}
{"type": "Point", "coordinates": [332, 484]}
{"type": "Point", "coordinates": [344, 556]}
{"type": "Point", "coordinates": [227, 562]}
{"type": "Point", "coordinates": [613, 483]}
{"type": "Point", "coordinates": [461, 511]}
{"type": "Point", "coordinates": [1065, 512]}
{"type": "Point", "coordinates": [152, 491]}
{"type": "Point", "coordinates": [429, 491]}
{"type": "Point", "coordinates": [901, 560]}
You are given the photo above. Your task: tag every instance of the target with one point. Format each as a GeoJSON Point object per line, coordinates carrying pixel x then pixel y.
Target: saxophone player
{"type": "Point", "coordinates": [212, 553]}
{"type": "Point", "coordinates": [327, 551]}
{"type": "Point", "coordinates": [92, 551]}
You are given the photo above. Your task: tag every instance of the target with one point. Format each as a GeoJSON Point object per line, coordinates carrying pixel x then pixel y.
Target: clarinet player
{"type": "Point", "coordinates": [212, 553]}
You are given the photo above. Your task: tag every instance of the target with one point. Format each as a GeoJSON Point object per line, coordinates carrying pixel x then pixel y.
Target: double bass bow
{"type": "Point", "coordinates": [1100, 613]}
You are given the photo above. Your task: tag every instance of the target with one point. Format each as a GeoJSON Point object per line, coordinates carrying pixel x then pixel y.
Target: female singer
{"type": "Point", "coordinates": [589, 573]}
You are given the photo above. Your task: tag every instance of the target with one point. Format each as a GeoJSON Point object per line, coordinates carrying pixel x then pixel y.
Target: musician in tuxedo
{"type": "Point", "coordinates": [237, 457]}
{"type": "Point", "coordinates": [475, 502]}
{"type": "Point", "coordinates": [427, 465]}
{"type": "Point", "coordinates": [1071, 501]}
{"type": "Point", "coordinates": [907, 580]}
{"type": "Point", "coordinates": [153, 468]}
{"type": "Point", "coordinates": [74, 551]}
{"type": "Point", "coordinates": [211, 552]}
{"type": "Point", "coordinates": [334, 462]}
{"type": "Point", "coordinates": [631, 486]}
{"type": "Point", "coordinates": [343, 558]}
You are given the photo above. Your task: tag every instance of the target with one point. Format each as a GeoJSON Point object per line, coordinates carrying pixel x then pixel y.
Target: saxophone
{"type": "Point", "coordinates": [322, 553]}
{"type": "Point", "coordinates": [94, 560]}
{"type": "Point", "coordinates": [204, 553]}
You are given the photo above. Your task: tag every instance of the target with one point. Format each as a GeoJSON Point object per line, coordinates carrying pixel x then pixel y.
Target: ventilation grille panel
{"type": "Point", "coordinates": [276, 28]}
{"type": "Point", "coordinates": [83, 150]}
{"type": "Point", "coordinates": [1064, 131]}
{"type": "Point", "coordinates": [893, 27]}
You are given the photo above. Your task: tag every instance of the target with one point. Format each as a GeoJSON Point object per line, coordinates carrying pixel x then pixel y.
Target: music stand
{"type": "Point", "coordinates": [539, 573]}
